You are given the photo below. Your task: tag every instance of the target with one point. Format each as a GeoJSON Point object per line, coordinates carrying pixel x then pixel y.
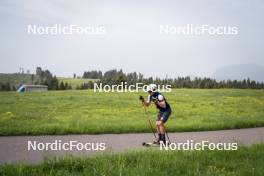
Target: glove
{"type": "Point", "coordinates": [141, 98]}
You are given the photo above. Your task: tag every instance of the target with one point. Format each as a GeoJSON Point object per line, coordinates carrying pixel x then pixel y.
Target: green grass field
{"type": "Point", "coordinates": [65, 112]}
{"type": "Point", "coordinates": [243, 162]}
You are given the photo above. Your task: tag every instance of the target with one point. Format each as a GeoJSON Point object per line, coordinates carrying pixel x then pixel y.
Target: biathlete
{"type": "Point", "coordinates": [163, 107]}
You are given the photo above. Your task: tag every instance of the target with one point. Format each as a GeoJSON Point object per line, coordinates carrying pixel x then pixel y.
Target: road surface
{"type": "Point", "coordinates": [14, 149]}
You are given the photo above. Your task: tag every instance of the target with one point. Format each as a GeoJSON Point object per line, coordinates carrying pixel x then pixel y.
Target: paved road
{"type": "Point", "coordinates": [14, 149]}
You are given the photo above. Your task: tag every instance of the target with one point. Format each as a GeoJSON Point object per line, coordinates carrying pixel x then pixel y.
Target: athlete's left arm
{"type": "Point", "coordinates": [161, 101]}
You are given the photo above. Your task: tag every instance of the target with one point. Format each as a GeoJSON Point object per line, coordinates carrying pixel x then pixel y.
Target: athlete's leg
{"type": "Point", "coordinates": [161, 127]}
{"type": "Point", "coordinates": [161, 124]}
{"type": "Point", "coordinates": [157, 126]}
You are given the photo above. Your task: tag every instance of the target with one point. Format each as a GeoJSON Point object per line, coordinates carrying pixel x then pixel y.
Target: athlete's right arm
{"type": "Point", "coordinates": [147, 102]}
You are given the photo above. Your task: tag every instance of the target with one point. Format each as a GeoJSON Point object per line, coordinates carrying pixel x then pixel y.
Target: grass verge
{"type": "Point", "coordinates": [245, 161]}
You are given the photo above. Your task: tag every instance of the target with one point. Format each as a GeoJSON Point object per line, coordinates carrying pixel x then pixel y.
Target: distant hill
{"type": "Point", "coordinates": [17, 79]}
{"type": "Point", "coordinates": [240, 72]}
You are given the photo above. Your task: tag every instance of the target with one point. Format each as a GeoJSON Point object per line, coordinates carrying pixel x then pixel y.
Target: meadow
{"type": "Point", "coordinates": [243, 162]}
{"type": "Point", "coordinates": [86, 112]}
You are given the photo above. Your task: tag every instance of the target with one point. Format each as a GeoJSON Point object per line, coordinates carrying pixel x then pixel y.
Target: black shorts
{"type": "Point", "coordinates": [163, 115]}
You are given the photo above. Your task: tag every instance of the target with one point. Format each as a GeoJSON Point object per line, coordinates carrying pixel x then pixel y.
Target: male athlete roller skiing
{"type": "Point", "coordinates": [163, 107]}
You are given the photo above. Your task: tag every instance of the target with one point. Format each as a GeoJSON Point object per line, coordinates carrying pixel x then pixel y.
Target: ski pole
{"type": "Point", "coordinates": [150, 124]}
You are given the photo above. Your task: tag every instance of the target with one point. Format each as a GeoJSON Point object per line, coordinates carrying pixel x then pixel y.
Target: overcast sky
{"type": "Point", "coordinates": [132, 40]}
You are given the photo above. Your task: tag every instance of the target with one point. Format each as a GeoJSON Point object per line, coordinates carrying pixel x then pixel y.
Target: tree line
{"type": "Point", "coordinates": [6, 86]}
{"type": "Point", "coordinates": [46, 78]}
{"type": "Point", "coordinates": [114, 76]}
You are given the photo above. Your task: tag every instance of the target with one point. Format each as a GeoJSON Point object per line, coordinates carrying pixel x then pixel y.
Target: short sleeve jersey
{"type": "Point", "coordinates": [156, 97]}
